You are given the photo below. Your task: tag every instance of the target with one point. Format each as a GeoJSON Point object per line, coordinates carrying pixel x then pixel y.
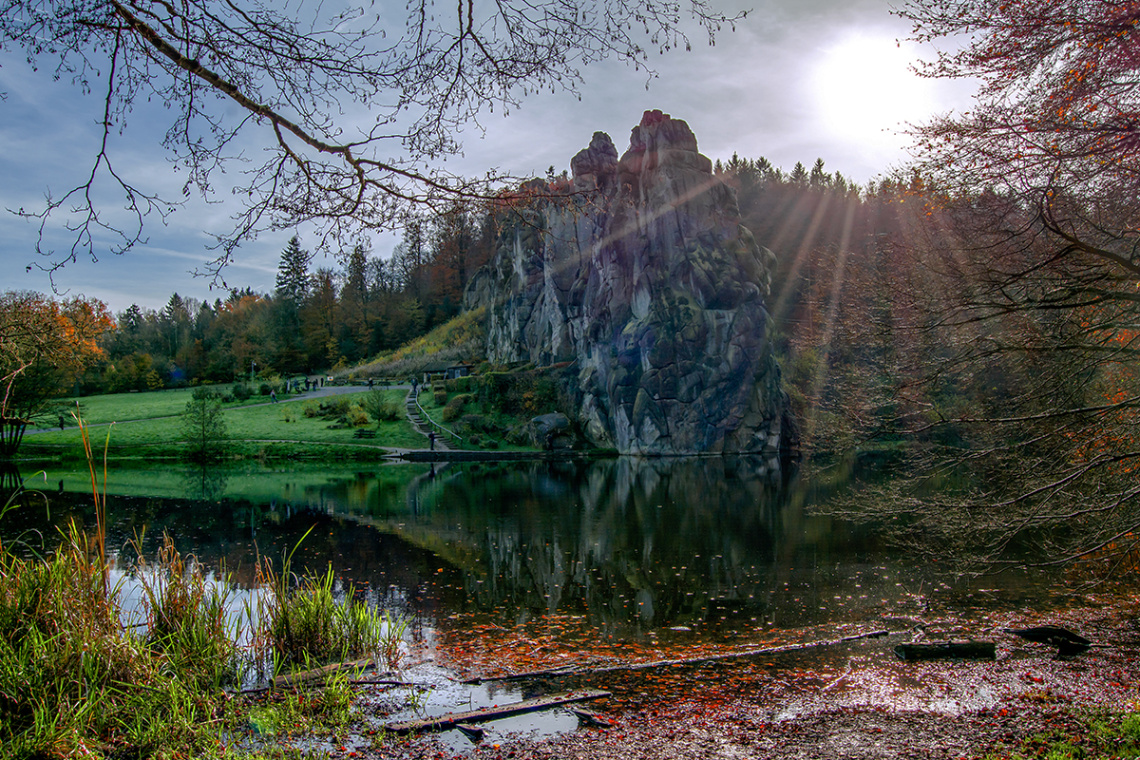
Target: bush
{"type": "Point", "coordinates": [440, 397]}
{"type": "Point", "coordinates": [378, 406]}
{"type": "Point", "coordinates": [265, 389]}
{"type": "Point", "coordinates": [356, 417]}
{"type": "Point", "coordinates": [241, 392]}
{"type": "Point", "coordinates": [460, 384]}
{"type": "Point", "coordinates": [453, 408]}
{"type": "Point", "coordinates": [310, 410]}
{"type": "Point", "coordinates": [335, 408]}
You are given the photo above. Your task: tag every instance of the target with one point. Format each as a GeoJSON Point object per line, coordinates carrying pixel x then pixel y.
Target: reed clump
{"type": "Point", "coordinates": [303, 624]}
{"type": "Point", "coordinates": [76, 681]}
{"type": "Point", "coordinates": [73, 682]}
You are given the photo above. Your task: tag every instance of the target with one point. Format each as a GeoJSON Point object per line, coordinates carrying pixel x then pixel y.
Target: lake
{"type": "Point", "coordinates": [633, 547]}
{"type": "Point", "coordinates": [506, 566]}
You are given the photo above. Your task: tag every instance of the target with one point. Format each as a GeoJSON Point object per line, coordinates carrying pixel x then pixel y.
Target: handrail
{"type": "Point", "coordinates": [426, 416]}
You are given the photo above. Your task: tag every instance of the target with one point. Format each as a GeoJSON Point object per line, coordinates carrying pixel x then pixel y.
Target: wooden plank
{"type": "Point", "coordinates": [561, 670]}
{"type": "Point", "coordinates": [450, 720]}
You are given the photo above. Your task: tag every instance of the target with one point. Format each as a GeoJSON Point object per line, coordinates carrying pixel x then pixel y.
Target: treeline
{"type": "Point", "coordinates": [843, 303]}
{"type": "Point", "coordinates": [859, 302]}
{"type": "Point", "coordinates": [316, 319]}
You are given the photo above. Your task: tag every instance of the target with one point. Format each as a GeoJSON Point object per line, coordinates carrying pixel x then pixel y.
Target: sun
{"type": "Point", "coordinates": [865, 92]}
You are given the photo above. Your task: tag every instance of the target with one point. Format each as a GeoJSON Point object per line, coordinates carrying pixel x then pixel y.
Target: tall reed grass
{"type": "Point", "coordinates": [75, 682]}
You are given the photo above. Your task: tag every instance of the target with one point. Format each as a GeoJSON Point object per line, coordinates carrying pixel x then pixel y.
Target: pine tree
{"type": "Point", "coordinates": [293, 279]}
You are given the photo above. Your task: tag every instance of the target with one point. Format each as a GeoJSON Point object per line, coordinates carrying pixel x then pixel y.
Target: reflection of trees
{"type": "Point", "coordinates": [625, 540]}
{"type": "Point", "coordinates": [205, 482]}
{"type": "Point", "coordinates": [9, 479]}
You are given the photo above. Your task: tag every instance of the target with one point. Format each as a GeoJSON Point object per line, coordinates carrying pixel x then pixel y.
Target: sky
{"type": "Point", "coordinates": [798, 80]}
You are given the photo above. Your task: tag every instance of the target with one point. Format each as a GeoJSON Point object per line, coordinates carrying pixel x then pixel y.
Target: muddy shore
{"type": "Point", "coordinates": [853, 701]}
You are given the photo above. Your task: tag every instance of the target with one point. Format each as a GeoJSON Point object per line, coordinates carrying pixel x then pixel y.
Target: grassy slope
{"type": "Point", "coordinates": [159, 428]}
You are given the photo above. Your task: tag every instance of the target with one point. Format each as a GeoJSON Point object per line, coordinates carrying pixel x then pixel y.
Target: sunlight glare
{"type": "Point", "coordinates": [865, 92]}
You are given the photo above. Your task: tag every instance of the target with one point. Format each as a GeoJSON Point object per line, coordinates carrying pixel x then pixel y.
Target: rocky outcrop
{"type": "Point", "coordinates": [638, 271]}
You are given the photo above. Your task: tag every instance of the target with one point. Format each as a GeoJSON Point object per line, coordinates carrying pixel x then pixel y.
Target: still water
{"type": "Point", "coordinates": [501, 566]}
{"type": "Point", "coordinates": [633, 548]}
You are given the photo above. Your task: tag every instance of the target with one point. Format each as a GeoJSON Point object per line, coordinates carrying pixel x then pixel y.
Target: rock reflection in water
{"type": "Point", "coordinates": [641, 543]}
{"type": "Point", "coordinates": [630, 546]}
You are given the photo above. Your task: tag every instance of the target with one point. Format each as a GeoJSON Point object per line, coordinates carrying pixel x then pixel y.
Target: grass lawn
{"type": "Point", "coordinates": [159, 429]}
{"type": "Point", "coordinates": [115, 407]}
{"type": "Point", "coordinates": [260, 484]}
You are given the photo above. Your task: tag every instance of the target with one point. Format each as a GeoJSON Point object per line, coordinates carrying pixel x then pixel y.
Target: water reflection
{"type": "Point", "coordinates": [630, 545]}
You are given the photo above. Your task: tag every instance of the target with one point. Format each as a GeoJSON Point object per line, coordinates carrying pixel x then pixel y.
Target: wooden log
{"type": "Point", "coordinates": [561, 670]}
{"type": "Point", "coordinates": [321, 673]}
{"type": "Point", "coordinates": [948, 650]}
{"type": "Point", "coordinates": [474, 733]}
{"type": "Point", "coordinates": [450, 720]}
{"type": "Point", "coordinates": [755, 652]}
{"type": "Point", "coordinates": [781, 649]}
{"type": "Point", "coordinates": [590, 718]}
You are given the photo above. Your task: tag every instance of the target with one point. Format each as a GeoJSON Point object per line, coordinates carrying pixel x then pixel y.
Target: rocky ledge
{"type": "Point", "coordinates": [637, 271]}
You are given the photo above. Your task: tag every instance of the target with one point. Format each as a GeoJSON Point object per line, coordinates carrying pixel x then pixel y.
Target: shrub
{"type": "Point", "coordinates": [440, 397]}
{"type": "Point", "coordinates": [454, 407]}
{"type": "Point", "coordinates": [241, 392]}
{"type": "Point", "coordinates": [310, 410]}
{"type": "Point", "coordinates": [356, 417]}
{"type": "Point", "coordinates": [378, 406]}
{"type": "Point", "coordinates": [335, 408]}
{"type": "Point", "coordinates": [265, 389]}
{"type": "Point", "coordinates": [461, 384]}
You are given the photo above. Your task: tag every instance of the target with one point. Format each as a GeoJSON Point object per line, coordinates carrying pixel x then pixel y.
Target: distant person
{"type": "Point", "coordinates": [431, 440]}
{"type": "Point", "coordinates": [273, 395]}
{"type": "Point", "coordinates": [61, 421]}
{"type": "Point", "coordinates": [370, 383]}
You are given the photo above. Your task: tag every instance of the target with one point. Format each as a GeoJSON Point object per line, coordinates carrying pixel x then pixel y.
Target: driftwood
{"type": "Point", "coordinates": [452, 720]}
{"type": "Point", "coordinates": [757, 652]}
{"type": "Point", "coordinates": [321, 673]}
{"type": "Point", "coordinates": [474, 733]}
{"type": "Point", "coordinates": [1068, 643]}
{"type": "Point", "coordinates": [590, 718]}
{"type": "Point", "coordinates": [952, 650]}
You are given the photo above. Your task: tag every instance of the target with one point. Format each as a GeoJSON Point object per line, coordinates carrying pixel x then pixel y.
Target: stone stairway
{"type": "Point", "coordinates": [422, 426]}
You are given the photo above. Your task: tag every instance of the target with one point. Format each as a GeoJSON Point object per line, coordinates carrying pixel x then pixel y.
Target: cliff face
{"type": "Point", "coordinates": [644, 277]}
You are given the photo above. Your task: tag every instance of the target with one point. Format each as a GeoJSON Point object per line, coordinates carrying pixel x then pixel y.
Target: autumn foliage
{"type": "Point", "coordinates": [44, 345]}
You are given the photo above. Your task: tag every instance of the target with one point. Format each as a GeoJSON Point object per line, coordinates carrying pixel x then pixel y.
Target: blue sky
{"type": "Point", "coordinates": [798, 80]}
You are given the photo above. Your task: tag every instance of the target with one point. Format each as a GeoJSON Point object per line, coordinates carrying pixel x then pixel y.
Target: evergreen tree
{"type": "Point", "coordinates": [293, 281]}
{"type": "Point", "coordinates": [203, 426]}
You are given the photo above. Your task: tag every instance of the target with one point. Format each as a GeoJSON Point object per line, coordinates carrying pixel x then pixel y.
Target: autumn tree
{"type": "Point", "coordinates": [44, 345]}
{"type": "Point", "coordinates": [1036, 196]}
{"type": "Point", "coordinates": [416, 77]}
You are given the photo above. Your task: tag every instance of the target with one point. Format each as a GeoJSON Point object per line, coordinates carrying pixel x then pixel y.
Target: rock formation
{"type": "Point", "coordinates": [638, 272]}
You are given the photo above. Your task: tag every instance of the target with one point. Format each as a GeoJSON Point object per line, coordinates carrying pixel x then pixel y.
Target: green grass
{"type": "Point", "coordinates": [280, 429]}
{"type": "Point", "coordinates": [117, 407]}
{"type": "Point", "coordinates": [246, 480]}
{"type": "Point", "coordinates": [1080, 735]}
{"type": "Point", "coordinates": [499, 422]}
{"type": "Point", "coordinates": [461, 337]}
{"type": "Point", "coordinates": [74, 683]}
